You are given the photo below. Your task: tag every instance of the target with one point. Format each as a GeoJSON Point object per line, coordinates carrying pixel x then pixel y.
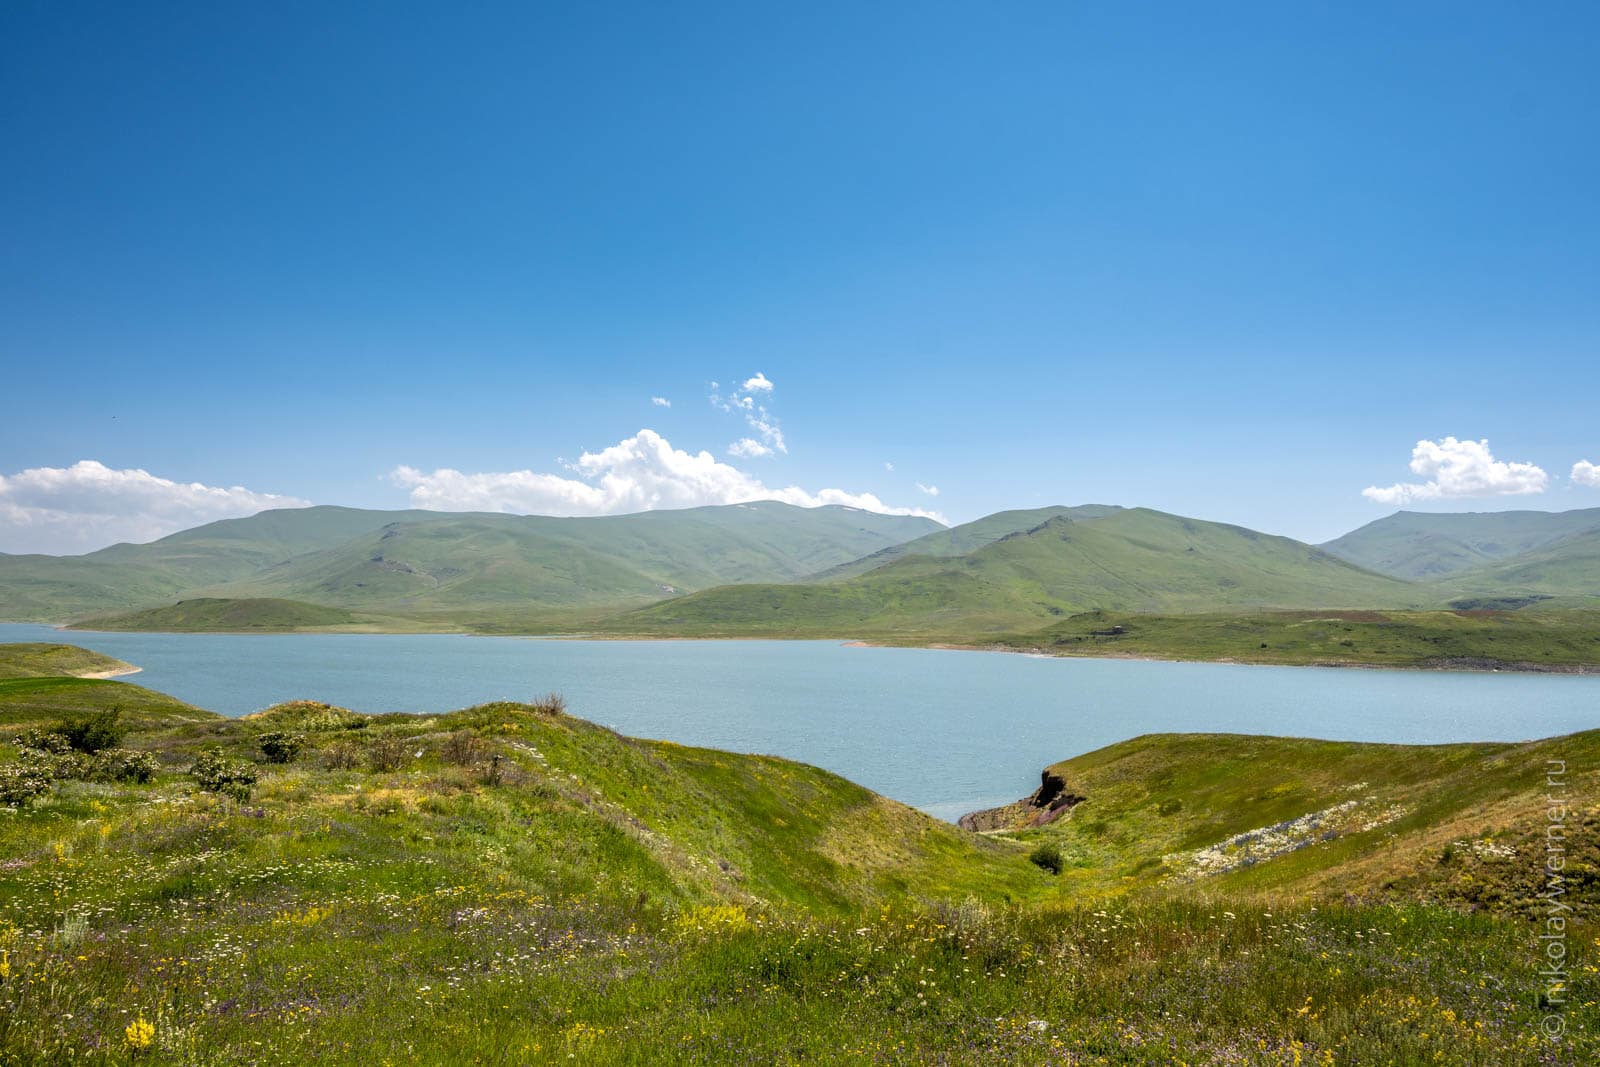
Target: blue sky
{"type": "Point", "coordinates": [1233, 261]}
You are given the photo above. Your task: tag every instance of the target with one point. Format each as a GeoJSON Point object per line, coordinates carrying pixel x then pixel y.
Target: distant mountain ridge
{"type": "Point", "coordinates": [421, 561]}
{"type": "Point", "coordinates": [1426, 546]}
{"type": "Point", "coordinates": [1129, 559]}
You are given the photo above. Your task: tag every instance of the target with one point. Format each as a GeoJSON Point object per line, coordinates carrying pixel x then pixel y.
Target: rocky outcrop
{"type": "Point", "coordinates": [1044, 805]}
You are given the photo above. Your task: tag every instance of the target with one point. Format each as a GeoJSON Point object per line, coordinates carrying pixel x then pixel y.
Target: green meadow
{"type": "Point", "coordinates": [510, 884]}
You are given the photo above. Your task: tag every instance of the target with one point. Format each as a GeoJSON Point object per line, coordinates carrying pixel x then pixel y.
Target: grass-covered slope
{"type": "Point", "coordinates": [1268, 817]}
{"type": "Point", "coordinates": [1419, 545]}
{"type": "Point", "coordinates": [221, 615]}
{"type": "Point", "coordinates": [968, 537]}
{"type": "Point", "coordinates": [34, 659]}
{"type": "Point", "coordinates": [508, 884]}
{"type": "Point", "coordinates": [1460, 639]}
{"type": "Point", "coordinates": [1130, 560]}
{"type": "Point", "coordinates": [1566, 570]}
{"type": "Point", "coordinates": [431, 562]}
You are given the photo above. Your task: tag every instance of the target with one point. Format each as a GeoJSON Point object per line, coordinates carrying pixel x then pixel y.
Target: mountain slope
{"type": "Point", "coordinates": [1418, 545]}
{"type": "Point", "coordinates": [433, 561]}
{"type": "Point", "coordinates": [1567, 568]}
{"type": "Point", "coordinates": [968, 537]}
{"type": "Point", "coordinates": [1132, 560]}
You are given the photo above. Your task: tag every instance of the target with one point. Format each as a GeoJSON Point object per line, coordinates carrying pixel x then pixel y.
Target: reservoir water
{"type": "Point", "coordinates": [945, 731]}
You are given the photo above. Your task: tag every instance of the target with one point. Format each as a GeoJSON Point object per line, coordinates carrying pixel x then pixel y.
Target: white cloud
{"type": "Point", "coordinates": [88, 505]}
{"type": "Point", "coordinates": [931, 490]}
{"type": "Point", "coordinates": [743, 402]}
{"type": "Point", "coordinates": [888, 467]}
{"type": "Point", "coordinates": [641, 473]}
{"type": "Point", "coordinates": [749, 448]}
{"type": "Point", "coordinates": [1460, 468]}
{"type": "Point", "coordinates": [1586, 473]}
{"type": "Point", "coordinates": [661, 402]}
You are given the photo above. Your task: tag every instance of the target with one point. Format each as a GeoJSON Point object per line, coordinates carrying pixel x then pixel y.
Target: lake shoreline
{"type": "Point", "coordinates": [1461, 667]}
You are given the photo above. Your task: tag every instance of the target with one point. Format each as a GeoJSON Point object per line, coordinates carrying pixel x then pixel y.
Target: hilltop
{"type": "Point", "coordinates": [510, 883]}
{"type": "Point", "coordinates": [1123, 560]}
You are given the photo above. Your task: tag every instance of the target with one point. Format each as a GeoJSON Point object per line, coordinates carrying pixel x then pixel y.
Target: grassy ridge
{"type": "Point", "coordinates": [1130, 560]}
{"type": "Point", "coordinates": [1424, 546]}
{"type": "Point", "coordinates": [423, 562]}
{"type": "Point", "coordinates": [1457, 823]}
{"type": "Point", "coordinates": [508, 884]}
{"type": "Point", "coordinates": [43, 660]}
{"type": "Point", "coordinates": [1481, 639]}
{"type": "Point", "coordinates": [220, 615]}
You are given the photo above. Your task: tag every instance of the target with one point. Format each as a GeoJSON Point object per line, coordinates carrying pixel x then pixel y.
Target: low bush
{"type": "Point", "coordinates": [1048, 857]}
{"type": "Point", "coordinates": [386, 753]}
{"type": "Point", "coordinates": [20, 783]}
{"type": "Point", "coordinates": [124, 765]}
{"type": "Point", "coordinates": [91, 733]}
{"type": "Point", "coordinates": [463, 748]}
{"type": "Point", "coordinates": [280, 746]}
{"type": "Point", "coordinates": [217, 773]}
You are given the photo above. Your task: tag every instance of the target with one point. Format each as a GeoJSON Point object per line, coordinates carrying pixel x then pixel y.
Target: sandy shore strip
{"type": "Point", "coordinates": [117, 672]}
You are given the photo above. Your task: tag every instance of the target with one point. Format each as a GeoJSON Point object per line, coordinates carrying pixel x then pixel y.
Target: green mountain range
{"type": "Point", "coordinates": [414, 562]}
{"type": "Point", "coordinates": [1418, 545]}
{"type": "Point", "coordinates": [774, 569]}
{"type": "Point", "coordinates": [1124, 559]}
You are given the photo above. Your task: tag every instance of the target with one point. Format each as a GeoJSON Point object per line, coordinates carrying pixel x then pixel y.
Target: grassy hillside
{"type": "Point", "coordinates": [431, 562]}
{"type": "Point", "coordinates": [1265, 817]}
{"type": "Point", "coordinates": [1568, 569]}
{"type": "Point", "coordinates": [508, 884]}
{"type": "Point", "coordinates": [216, 615]}
{"type": "Point", "coordinates": [41, 660]}
{"type": "Point", "coordinates": [968, 537]}
{"type": "Point", "coordinates": [1419, 545]}
{"type": "Point", "coordinates": [1132, 560]}
{"type": "Point", "coordinates": [1471, 639]}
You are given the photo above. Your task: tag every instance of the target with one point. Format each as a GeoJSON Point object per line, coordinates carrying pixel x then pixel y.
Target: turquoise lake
{"type": "Point", "coordinates": [945, 731]}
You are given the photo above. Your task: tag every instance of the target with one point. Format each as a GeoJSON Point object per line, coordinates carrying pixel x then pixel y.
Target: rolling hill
{"type": "Point", "coordinates": [1566, 569]}
{"type": "Point", "coordinates": [1419, 545]}
{"type": "Point", "coordinates": [418, 561]}
{"type": "Point", "coordinates": [510, 884]}
{"type": "Point", "coordinates": [968, 537]}
{"type": "Point", "coordinates": [1129, 560]}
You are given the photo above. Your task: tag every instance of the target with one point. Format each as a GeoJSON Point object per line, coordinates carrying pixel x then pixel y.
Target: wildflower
{"type": "Point", "coordinates": [139, 1034]}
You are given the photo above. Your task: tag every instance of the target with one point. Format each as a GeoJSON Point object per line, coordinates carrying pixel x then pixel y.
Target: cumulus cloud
{"type": "Point", "coordinates": [749, 448]}
{"type": "Point", "coordinates": [1586, 473]}
{"type": "Point", "coordinates": [1460, 468]}
{"type": "Point", "coordinates": [758, 384]}
{"type": "Point", "coordinates": [61, 510]}
{"type": "Point", "coordinates": [931, 490]}
{"type": "Point", "coordinates": [640, 473]}
{"type": "Point", "coordinates": [661, 402]}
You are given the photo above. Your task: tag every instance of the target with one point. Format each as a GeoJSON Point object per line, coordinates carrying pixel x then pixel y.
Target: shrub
{"type": "Point", "coordinates": [386, 753]}
{"type": "Point", "coordinates": [91, 733]}
{"type": "Point", "coordinates": [1048, 857]}
{"type": "Point", "coordinates": [124, 765]}
{"type": "Point", "coordinates": [217, 773]}
{"type": "Point", "coordinates": [551, 704]}
{"type": "Point", "coordinates": [44, 742]}
{"type": "Point", "coordinates": [1169, 806]}
{"type": "Point", "coordinates": [342, 756]}
{"type": "Point", "coordinates": [20, 783]}
{"type": "Point", "coordinates": [280, 746]}
{"type": "Point", "coordinates": [463, 748]}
